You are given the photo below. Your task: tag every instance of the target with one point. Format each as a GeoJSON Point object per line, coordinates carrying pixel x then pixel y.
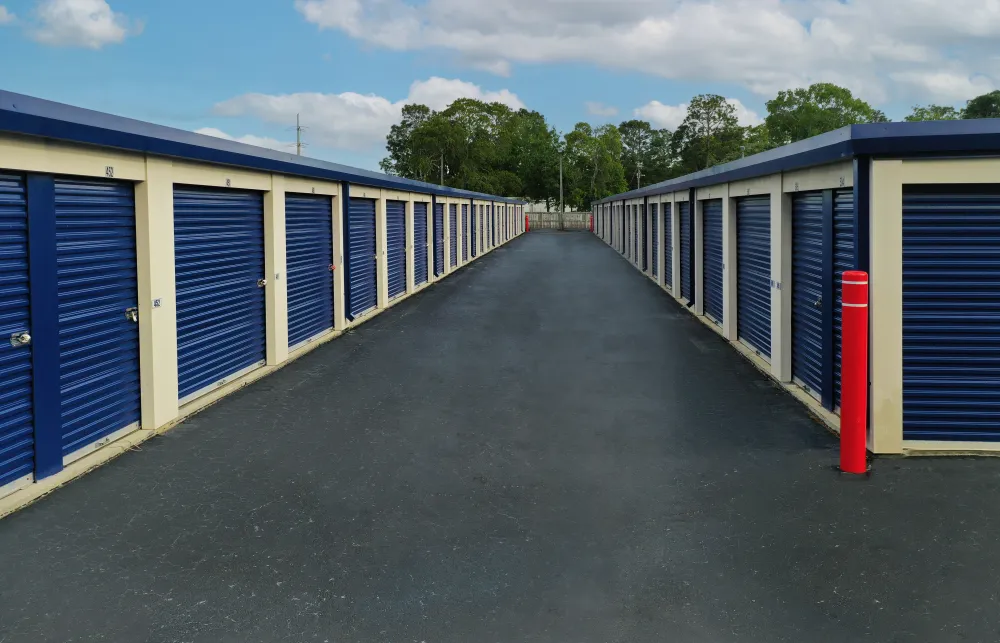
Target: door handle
{"type": "Point", "coordinates": [819, 302]}
{"type": "Point", "coordinates": [261, 283]}
{"type": "Point", "coordinates": [17, 340]}
{"type": "Point", "coordinates": [132, 315]}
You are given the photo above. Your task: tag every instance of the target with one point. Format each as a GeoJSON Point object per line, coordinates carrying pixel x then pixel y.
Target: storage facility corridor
{"type": "Point", "coordinates": [543, 447]}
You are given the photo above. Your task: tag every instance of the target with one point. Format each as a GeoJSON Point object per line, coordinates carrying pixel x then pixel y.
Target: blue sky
{"type": "Point", "coordinates": [243, 69]}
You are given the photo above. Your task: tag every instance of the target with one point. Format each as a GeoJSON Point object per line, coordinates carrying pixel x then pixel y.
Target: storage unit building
{"type": "Point", "coordinates": [149, 271]}
{"type": "Point", "coordinates": [762, 244]}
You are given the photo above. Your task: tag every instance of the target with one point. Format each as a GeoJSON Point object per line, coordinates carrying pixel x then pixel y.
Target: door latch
{"type": "Point", "coordinates": [18, 340]}
{"type": "Point", "coordinates": [132, 314]}
{"type": "Point", "coordinates": [819, 302]}
{"type": "Point", "coordinates": [261, 283]}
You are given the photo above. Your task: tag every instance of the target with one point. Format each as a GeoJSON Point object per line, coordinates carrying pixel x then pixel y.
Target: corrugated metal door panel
{"type": "Point", "coordinates": [712, 256]}
{"type": "Point", "coordinates": [98, 284]}
{"type": "Point", "coordinates": [843, 259]}
{"type": "Point", "coordinates": [453, 220]}
{"type": "Point", "coordinates": [753, 231]}
{"type": "Point", "coordinates": [668, 247]}
{"type": "Point", "coordinates": [684, 209]}
{"type": "Point", "coordinates": [645, 240]}
{"type": "Point", "coordinates": [438, 239]}
{"type": "Point", "coordinates": [17, 434]}
{"type": "Point", "coordinates": [309, 257]}
{"type": "Point", "coordinates": [219, 259]}
{"type": "Point", "coordinates": [474, 240]}
{"type": "Point", "coordinates": [465, 232]}
{"type": "Point", "coordinates": [951, 313]}
{"type": "Point", "coordinates": [807, 290]}
{"type": "Point", "coordinates": [395, 230]}
{"type": "Point", "coordinates": [419, 243]}
{"type": "Point", "coordinates": [482, 229]}
{"type": "Point", "coordinates": [655, 217]}
{"type": "Point", "coordinates": [362, 279]}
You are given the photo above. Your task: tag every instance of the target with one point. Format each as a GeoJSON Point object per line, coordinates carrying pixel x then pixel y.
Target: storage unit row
{"type": "Point", "coordinates": [137, 287]}
{"type": "Point", "coordinates": [757, 248]}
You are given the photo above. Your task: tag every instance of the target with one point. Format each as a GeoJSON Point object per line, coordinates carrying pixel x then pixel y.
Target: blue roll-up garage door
{"type": "Point", "coordinates": [473, 239]}
{"type": "Point", "coordinates": [309, 257]}
{"type": "Point", "coordinates": [843, 259]}
{"type": "Point", "coordinates": [807, 291]}
{"type": "Point", "coordinates": [687, 281]}
{"type": "Point", "coordinates": [17, 435]}
{"type": "Point", "coordinates": [438, 239]}
{"type": "Point", "coordinates": [644, 232]}
{"type": "Point", "coordinates": [395, 230]}
{"type": "Point", "coordinates": [636, 234]}
{"type": "Point", "coordinates": [465, 232]}
{"type": "Point", "coordinates": [362, 269]}
{"type": "Point", "coordinates": [98, 310]}
{"type": "Point", "coordinates": [482, 224]}
{"type": "Point", "coordinates": [753, 231]}
{"type": "Point", "coordinates": [419, 243]}
{"type": "Point", "coordinates": [453, 221]}
{"type": "Point", "coordinates": [712, 256]}
{"type": "Point", "coordinates": [668, 247]}
{"type": "Point", "coordinates": [951, 313]}
{"type": "Point", "coordinates": [219, 256]}
{"type": "Point", "coordinates": [654, 216]}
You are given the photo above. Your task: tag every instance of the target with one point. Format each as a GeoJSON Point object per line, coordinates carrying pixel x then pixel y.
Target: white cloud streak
{"type": "Point", "coordinates": [600, 109]}
{"type": "Point", "coordinates": [6, 17]}
{"type": "Point", "coordinates": [249, 139]}
{"type": "Point", "coordinates": [671, 116]}
{"type": "Point", "coordinates": [881, 49]}
{"type": "Point", "coordinates": [354, 121]}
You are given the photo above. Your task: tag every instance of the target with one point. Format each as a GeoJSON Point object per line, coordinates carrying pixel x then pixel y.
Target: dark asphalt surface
{"type": "Point", "coordinates": [544, 447]}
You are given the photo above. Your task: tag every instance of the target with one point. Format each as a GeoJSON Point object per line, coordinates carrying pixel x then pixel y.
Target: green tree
{"type": "Point", "coordinates": [756, 139]}
{"type": "Point", "coordinates": [403, 159]}
{"type": "Point", "coordinates": [593, 164]}
{"type": "Point", "coordinates": [933, 113]}
{"type": "Point", "coordinates": [985, 106]}
{"type": "Point", "coordinates": [709, 135]}
{"type": "Point", "coordinates": [535, 154]}
{"type": "Point", "coordinates": [800, 113]}
{"type": "Point", "coordinates": [645, 153]}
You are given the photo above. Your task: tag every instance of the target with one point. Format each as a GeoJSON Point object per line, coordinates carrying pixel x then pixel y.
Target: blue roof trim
{"type": "Point", "coordinates": [29, 116]}
{"type": "Point", "coordinates": [972, 137]}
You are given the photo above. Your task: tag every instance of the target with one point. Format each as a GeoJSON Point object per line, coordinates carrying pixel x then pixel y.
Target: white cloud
{"type": "Point", "coordinates": [6, 17]}
{"type": "Point", "coordinates": [600, 109]}
{"type": "Point", "coordinates": [945, 86]}
{"type": "Point", "coordinates": [671, 116]}
{"type": "Point", "coordinates": [744, 115]}
{"type": "Point", "coordinates": [874, 47]}
{"type": "Point", "coordinates": [355, 121]}
{"type": "Point", "coordinates": [249, 139]}
{"type": "Point", "coordinates": [81, 23]}
{"type": "Point", "coordinates": [662, 116]}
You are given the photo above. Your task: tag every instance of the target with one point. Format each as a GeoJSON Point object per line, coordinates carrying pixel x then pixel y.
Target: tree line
{"type": "Point", "coordinates": [491, 148]}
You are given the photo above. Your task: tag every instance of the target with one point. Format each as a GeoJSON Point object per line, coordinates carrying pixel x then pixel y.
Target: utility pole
{"type": "Point", "coordinates": [442, 168]}
{"type": "Point", "coordinates": [638, 179]}
{"type": "Point", "coordinates": [298, 136]}
{"type": "Point", "coordinates": [561, 208]}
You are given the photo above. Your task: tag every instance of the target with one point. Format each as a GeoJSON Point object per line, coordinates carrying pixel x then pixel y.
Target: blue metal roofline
{"type": "Point", "coordinates": [30, 116]}
{"type": "Point", "coordinates": [930, 138]}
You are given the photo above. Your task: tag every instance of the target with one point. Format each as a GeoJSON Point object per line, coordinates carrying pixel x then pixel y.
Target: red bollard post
{"type": "Point", "coordinates": [854, 373]}
{"type": "Point", "coordinates": [591, 223]}
{"type": "Point", "coordinates": [527, 224]}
